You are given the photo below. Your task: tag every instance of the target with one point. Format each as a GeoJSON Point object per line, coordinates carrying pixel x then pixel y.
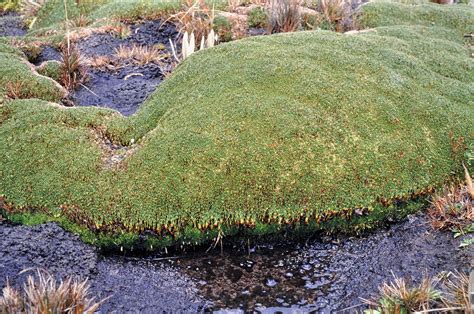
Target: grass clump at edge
{"type": "Point", "coordinates": [18, 81]}
{"type": "Point", "coordinates": [258, 140]}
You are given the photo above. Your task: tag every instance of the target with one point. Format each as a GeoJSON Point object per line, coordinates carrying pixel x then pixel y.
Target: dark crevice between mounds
{"type": "Point", "coordinates": [11, 24]}
{"type": "Point", "coordinates": [126, 84]}
{"type": "Point", "coordinates": [112, 154]}
{"type": "Point", "coordinates": [124, 87]}
{"type": "Point", "coordinates": [47, 53]}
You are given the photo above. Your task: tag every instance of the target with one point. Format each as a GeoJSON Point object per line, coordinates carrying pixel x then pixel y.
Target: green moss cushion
{"type": "Point", "coordinates": [277, 129]}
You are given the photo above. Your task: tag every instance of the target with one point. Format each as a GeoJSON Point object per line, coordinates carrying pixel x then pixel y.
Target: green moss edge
{"type": "Point", "coordinates": [191, 237]}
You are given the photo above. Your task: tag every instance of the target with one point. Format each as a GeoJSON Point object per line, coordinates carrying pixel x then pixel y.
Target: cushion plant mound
{"type": "Point", "coordinates": [380, 13]}
{"type": "Point", "coordinates": [19, 77]}
{"type": "Point", "coordinates": [285, 129]}
{"type": "Point", "coordinates": [53, 12]}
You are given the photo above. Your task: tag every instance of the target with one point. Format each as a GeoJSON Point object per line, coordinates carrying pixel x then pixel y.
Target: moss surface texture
{"type": "Point", "coordinates": [289, 129]}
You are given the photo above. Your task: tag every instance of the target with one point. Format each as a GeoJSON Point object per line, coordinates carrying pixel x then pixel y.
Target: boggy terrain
{"type": "Point", "coordinates": [291, 135]}
{"type": "Point", "coordinates": [324, 274]}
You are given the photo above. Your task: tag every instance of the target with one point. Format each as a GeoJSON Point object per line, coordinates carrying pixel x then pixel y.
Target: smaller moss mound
{"type": "Point", "coordinates": [50, 69]}
{"type": "Point", "coordinates": [257, 17]}
{"type": "Point", "coordinates": [134, 9]}
{"type": "Point", "coordinates": [388, 14]}
{"type": "Point", "coordinates": [223, 28]}
{"type": "Point", "coordinates": [17, 80]}
{"type": "Point", "coordinates": [140, 9]}
{"type": "Point", "coordinates": [53, 12]}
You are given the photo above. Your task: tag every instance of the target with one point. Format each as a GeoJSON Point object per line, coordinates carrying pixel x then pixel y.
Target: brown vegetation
{"type": "Point", "coordinates": [42, 293]}
{"type": "Point", "coordinates": [453, 208]}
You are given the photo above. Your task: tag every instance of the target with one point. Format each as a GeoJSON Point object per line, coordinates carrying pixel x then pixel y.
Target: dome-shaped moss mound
{"type": "Point", "coordinates": [293, 128]}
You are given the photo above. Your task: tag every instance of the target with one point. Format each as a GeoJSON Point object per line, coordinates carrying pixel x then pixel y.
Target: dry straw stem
{"type": "Point", "coordinates": [195, 17]}
{"type": "Point", "coordinates": [457, 292]}
{"type": "Point", "coordinates": [469, 184]}
{"type": "Point", "coordinates": [42, 293]}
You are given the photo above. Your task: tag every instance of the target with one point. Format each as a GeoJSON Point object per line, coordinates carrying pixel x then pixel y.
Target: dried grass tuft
{"type": "Point", "coordinates": [72, 70]}
{"type": "Point", "coordinates": [195, 17]}
{"type": "Point", "coordinates": [336, 12]}
{"type": "Point", "coordinates": [18, 90]}
{"type": "Point", "coordinates": [453, 208]}
{"type": "Point", "coordinates": [283, 15]}
{"type": "Point", "coordinates": [457, 292]}
{"type": "Point", "coordinates": [80, 21]}
{"type": "Point", "coordinates": [141, 54]}
{"type": "Point", "coordinates": [42, 293]}
{"type": "Point", "coordinates": [398, 297]}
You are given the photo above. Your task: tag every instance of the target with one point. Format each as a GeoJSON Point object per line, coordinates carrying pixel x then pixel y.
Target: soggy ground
{"type": "Point", "coordinates": [11, 24]}
{"type": "Point", "coordinates": [132, 284]}
{"type": "Point", "coordinates": [325, 274]}
{"type": "Point", "coordinates": [123, 88]}
{"type": "Point", "coordinates": [126, 86]}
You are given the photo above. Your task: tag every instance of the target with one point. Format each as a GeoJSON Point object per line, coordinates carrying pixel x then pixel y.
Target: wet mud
{"type": "Point", "coordinates": [11, 24]}
{"type": "Point", "coordinates": [123, 89]}
{"type": "Point", "coordinates": [148, 33]}
{"type": "Point", "coordinates": [132, 285]}
{"type": "Point", "coordinates": [47, 54]}
{"type": "Point", "coordinates": [326, 274]}
{"type": "Point", "coordinates": [126, 87]}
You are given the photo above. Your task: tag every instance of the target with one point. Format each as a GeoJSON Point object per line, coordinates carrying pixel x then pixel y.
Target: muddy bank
{"type": "Point", "coordinates": [124, 87]}
{"type": "Point", "coordinates": [326, 274]}
{"type": "Point", "coordinates": [11, 24]}
{"type": "Point", "coordinates": [147, 33]}
{"type": "Point", "coordinates": [137, 285]}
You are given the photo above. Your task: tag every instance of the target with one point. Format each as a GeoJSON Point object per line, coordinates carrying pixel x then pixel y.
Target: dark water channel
{"type": "Point", "coordinates": [324, 275]}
